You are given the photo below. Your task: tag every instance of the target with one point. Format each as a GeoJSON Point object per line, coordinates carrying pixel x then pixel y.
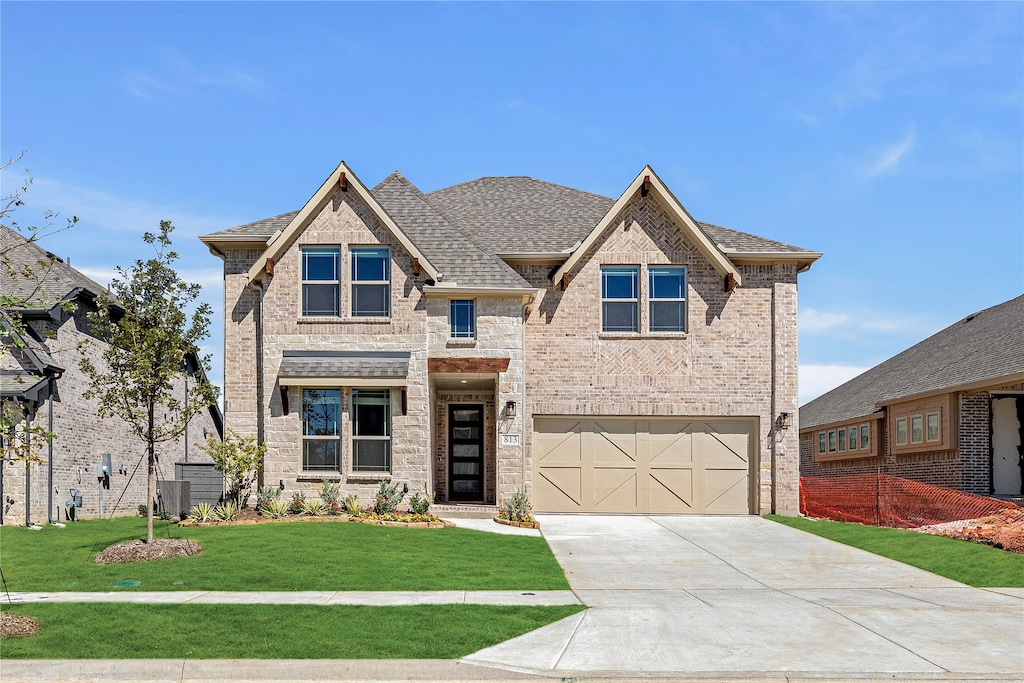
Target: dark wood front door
{"type": "Point", "coordinates": [465, 452]}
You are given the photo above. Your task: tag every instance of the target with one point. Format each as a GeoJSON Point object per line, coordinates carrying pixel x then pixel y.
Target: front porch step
{"type": "Point", "coordinates": [466, 511]}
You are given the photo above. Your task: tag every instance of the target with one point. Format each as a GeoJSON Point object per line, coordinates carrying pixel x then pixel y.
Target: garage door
{"type": "Point", "coordinates": [650, 465]}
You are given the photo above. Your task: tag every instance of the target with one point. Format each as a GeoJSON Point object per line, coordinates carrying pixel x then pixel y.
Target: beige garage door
{"type": "Point", "coordinates": [650, 465]}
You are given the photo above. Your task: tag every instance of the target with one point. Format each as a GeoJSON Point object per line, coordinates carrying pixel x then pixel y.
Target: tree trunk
{"type": "Point", "coordinates": [151, 479]}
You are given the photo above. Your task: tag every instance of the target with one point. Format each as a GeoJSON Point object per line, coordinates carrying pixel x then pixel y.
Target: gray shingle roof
{"type": "Point", "coordinates": [462, 228]}
{"type": "Point", "coordinates": [380, 364]}
{"type": "Point", "coordinates": [451, 251]}
{"type": "Point", "coordinates": [30, 272]}
{"type": "Point", "coordinates": [981, 347]}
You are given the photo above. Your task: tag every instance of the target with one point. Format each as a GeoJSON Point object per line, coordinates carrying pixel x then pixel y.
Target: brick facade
{"type": "Point", "coordinates": [737, 359]}
{"type": "Point", "coordinates": [82, 437]}
{"type": "Point", "coordinates": [966, 468]}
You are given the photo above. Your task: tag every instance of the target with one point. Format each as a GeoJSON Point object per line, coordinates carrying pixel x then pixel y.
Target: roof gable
{"type": "Point", "coordinates": [300, 220]}
{"type": "Point", "coordinates": [648, 181]}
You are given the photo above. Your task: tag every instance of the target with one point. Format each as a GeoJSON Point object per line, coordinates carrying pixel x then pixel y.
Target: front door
{"type": "Point", "coordinates": [465, 452]}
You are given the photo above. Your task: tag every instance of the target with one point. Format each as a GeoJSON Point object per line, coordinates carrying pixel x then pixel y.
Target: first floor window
{"type": "Point", "coordinates": [371, 282]}
{"type": "Point", "coordinates": [320, 281]}
{"type": "Point", "coordinates": [321, 445]}
{"type": "Point", "coordinates": [371, 430]}
{"type": "Point", "coordinates": [619, 299]}
{"type": "Point", "coordinates": [667, 298]}
{"type": "Point", "coordinates": [462, 319]}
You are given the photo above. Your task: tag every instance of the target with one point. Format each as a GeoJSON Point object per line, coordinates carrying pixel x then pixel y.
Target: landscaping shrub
{"type": "Point", "coordinates": [517, 508]}
{"type": "Point", "coordinates": [421, 505]}
{"type": "Point", "coordinates": [314, 507]}
{"type": "Point", "coordinates": [352, 505]}
{"type": "Point", "coordinates": [388, 498]}
{"type": "Point", "coordinates": [143, 511]}
{"type": "Point", "coordinates": [226, 512]}
{"type": "Point", "coordinates": [274, 508]}
{"type": "Point", "coordinates": [266, 493]}
{"type": "Point", "coordinates": [239, 458]}
{"type": "Point", "coordinates": [330, 492]}
{"type": "Point", "coordinates": [298, 500]}
{"type": "Point", "coordinates": [201, 512]}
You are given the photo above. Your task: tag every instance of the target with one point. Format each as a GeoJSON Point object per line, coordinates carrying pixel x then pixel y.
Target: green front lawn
{"type": "Point", "coordinates": [972, 563]}
{"type": "Point", "coordinates": [287, 556]}
{"type": "Point", "coordinates": [127, 631]}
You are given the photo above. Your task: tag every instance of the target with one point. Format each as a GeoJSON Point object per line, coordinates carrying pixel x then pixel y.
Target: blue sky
{"type": "Point", "coordinates": [888, 136]}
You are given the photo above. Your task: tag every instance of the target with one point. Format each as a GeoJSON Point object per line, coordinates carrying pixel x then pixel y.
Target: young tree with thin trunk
{"type": "Point", "coordinates": [147, 347]}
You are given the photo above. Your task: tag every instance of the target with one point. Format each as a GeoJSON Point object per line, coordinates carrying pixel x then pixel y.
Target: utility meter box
{"type": "Point", "coordinates": [105, 468]}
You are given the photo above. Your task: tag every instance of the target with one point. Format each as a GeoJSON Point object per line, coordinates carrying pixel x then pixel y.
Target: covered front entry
{"type": "Point", "coordinates": [465, 452]}
{"type": "Point", "coordinates": [644, 465]}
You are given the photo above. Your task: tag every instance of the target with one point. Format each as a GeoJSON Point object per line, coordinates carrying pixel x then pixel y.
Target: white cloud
{"type": "Point", "coordinates": [177, 77]}
{"type": "Point", "coordinates": [816, 380]}
{"type": "Point", "coordinates": [851, 324]}
{"type": "Point", "coordinates": [111, 212]}
{"type": "Point", "coordinates": [210, 279]}
{"type": "Point", "coordinates": [885, 160]}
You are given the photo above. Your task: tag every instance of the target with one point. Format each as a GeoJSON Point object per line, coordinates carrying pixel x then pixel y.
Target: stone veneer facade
{"type": "Point", "coordinates": [82, 438]}
{"type": "Point", "coordinates": [737, 359]}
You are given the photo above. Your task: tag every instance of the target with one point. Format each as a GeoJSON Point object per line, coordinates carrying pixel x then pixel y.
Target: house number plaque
{"type": "Point", "coordinates": [509, 439]}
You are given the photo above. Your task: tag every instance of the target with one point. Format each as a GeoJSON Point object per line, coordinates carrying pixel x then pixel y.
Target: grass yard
{"type": "Point", "coordinates": [127, 631]}
{"type": "Point", "coordinates": [307, 556]}
{"type": "Point", "coordinates": [972, 563]}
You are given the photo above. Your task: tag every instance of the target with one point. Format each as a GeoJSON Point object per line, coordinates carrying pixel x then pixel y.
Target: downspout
{"type": "Point", "coordinates": [772, 414]}
{"type": "Point", "coordinates": [28, 468]}
{"type": "Point", "coordinates": [49, 450]}
{"type": "Point", "coordinates": [258, 325]}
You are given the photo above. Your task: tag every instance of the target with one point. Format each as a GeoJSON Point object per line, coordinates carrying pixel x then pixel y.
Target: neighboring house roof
{"type": "Point", "coordinates": [984, 349]}
{"type": "Point", "coordinates": [30, 272]}
{"type": "Point", "coordinates": [496, 217]}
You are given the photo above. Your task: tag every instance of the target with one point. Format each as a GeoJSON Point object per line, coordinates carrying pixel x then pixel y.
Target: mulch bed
{"type": "Point", "coordinates": [1004, 530]}
{"type": "Point", "coordinates": [15, 625]}
{"type": "Point", "coordinates": [159, 549]}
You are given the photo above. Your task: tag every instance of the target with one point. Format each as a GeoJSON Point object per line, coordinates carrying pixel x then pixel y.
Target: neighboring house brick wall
{"type": "Point", "coordinates": [82, 437]}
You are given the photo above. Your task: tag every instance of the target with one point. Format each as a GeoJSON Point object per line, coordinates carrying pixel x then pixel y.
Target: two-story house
{"type": "Point", "coordinates": [605, 355]}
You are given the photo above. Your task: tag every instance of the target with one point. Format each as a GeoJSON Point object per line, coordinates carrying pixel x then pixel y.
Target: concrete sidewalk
{"type": "Point", "coordinates": [373, 598]}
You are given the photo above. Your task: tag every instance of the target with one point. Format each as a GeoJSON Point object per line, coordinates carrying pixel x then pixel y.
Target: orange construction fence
{"type": "Point", "coordinates": [884, 500]}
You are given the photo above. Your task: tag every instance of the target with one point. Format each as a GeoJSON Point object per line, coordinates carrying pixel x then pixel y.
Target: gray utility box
{"type": "Point", "coordinates": [207, 483]}
{"type": "Point", "coordinates": [174, 497]}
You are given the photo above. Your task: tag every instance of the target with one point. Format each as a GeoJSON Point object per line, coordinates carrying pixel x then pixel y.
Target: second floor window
{"type": "Point", "coordinates": [371, 282]}
{"type": "Point", "coordinates": [320, 281]}
{"type": "Point", "coordinates": [619, 299]}
{"type": "Point", "coordinates": [462, 319]}
{"type": "Point", "coordinates": [667, 298]}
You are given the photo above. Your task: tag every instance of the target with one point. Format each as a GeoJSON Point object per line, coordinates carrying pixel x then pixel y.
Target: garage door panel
{"type": "Point", "coordinates": [725, 491]}
{"type": "Point", "coordinates": [615, 490]}
{"type": "Point", "coordinates": [559, 489]}
{"type": "Point", "coordinates": [643, 465]}
{"type": "Point", "coordinates": [670, 448]}
{"type": "Point", "coordinates": [671, 491]}
{"type": "Point", "coordinates": [561, 445]}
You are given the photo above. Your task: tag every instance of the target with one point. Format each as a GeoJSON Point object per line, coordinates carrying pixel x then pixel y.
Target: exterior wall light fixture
{"type": "Point", "coordinates": [510, 409]}
{"type": "Point", "coordinates": [783, 421]}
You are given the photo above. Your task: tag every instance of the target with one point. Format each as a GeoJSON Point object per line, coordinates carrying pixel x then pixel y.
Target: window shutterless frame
{"type": "Point", "coordinates": [619, 299]}
{"type": "Point", "coordinates": [371, 282]}
{"type": "Point", "coordinates": [666, 298]}
{"type": "Point", "coordinates": [371, 430]}
{"type": "Point", "coordinates": [320, 281]}
{"type": "Point", "coordinates": [462, 319]}
{"type": "Point", "coordinates": [321, 443]}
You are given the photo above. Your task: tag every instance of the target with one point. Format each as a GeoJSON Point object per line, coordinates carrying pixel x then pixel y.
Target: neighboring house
{"type": "Point", "coordinates": [948, 411]}
{"type": "Point", "coordinates": [506, 334]}
{"type": "Point", "coordinates": [39, 372]}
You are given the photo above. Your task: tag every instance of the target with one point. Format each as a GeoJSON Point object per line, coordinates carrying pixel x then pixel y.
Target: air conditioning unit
{"type": "Point", "coordinates": [174, 497]}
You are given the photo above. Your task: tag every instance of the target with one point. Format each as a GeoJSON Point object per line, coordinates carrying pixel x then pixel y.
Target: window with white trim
{"type": "Point", "coordinates": [934, 433]}
{"type": "Point", "coordinates": [667, 298]}
{"type": "Point", "coordinates": [462, 319]}
{"type": "Point", "coordinates": [371, 282]}
{"type": "Point", "coordinates": [371, 430]}
{"type": "Point", "coordinates": [321, 443]}
{"type": "Point", "coordinates": [901, 431]}
{"type": "Point", "coordinates": [320, 281]}
{"type": "Point", "coordinates": [619, 298]}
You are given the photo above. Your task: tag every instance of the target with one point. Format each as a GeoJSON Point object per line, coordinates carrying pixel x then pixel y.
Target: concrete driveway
{"type": "Point", "coordinates": [743, 596]}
